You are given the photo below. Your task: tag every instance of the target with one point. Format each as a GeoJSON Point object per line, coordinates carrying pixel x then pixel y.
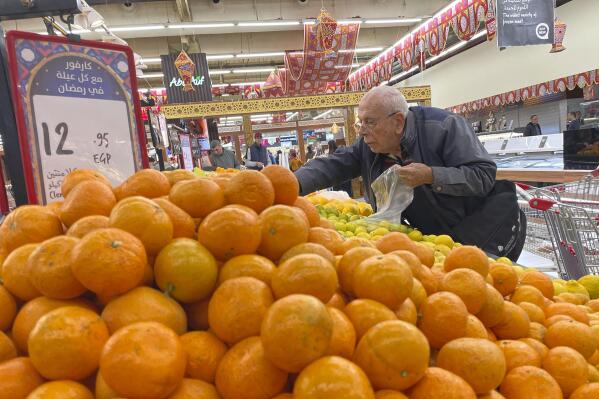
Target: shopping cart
{"type": "Point", "coordinates": [564, 219]}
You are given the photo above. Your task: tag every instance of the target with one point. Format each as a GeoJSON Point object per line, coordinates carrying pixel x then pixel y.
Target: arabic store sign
{"type": "Point", "coordinates": [195, 80]}
{"type": "Point", "coordinates": [525, 22]}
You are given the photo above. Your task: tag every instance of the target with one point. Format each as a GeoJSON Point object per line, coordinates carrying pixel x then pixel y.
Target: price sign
{"type": "Point", "coordinates": [186, 151]}
{"type": "Point", "coordinates": [77, 107]}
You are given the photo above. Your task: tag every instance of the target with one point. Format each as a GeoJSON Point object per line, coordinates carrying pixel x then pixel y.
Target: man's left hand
{"type": "Point", "coordinates": [416, 174]}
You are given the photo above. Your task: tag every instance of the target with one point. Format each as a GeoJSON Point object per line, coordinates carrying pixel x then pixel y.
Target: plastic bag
{"type": "Point", "coordinates": [392, 196]}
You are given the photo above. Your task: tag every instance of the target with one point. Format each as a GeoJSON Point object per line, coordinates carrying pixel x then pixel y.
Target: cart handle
{"type": "Point", "coordinates": [541, 204]}
{"type": "Point", "coordinates": [523, 186]}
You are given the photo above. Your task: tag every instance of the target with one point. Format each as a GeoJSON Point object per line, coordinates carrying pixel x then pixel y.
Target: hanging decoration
{"type": "Point", "coordinates": [273, 86]}
{"type": "Point", "coordinates": [558, 36]}
{"type": "Point", "coordinates": [186, 68]}
{"type": "Point", "coordinates": [325, 30]}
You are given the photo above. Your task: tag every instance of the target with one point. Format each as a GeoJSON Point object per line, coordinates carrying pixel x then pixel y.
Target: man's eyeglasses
{"type": "Point", "coordinates": [370, 124]}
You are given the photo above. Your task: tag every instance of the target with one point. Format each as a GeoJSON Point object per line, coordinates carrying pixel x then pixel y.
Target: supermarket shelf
{"type": "Point", "coordinates": [541, 175]}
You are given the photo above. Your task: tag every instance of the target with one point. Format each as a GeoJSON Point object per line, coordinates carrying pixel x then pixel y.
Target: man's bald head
{"type": "Point", "coordinates": [386, 98]}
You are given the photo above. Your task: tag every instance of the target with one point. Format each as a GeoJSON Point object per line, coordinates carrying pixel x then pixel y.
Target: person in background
{"type": "Point", "coordinates": [273, 161]}
{"type": "Point", "coordinates": [579, 118]}
{"type": "Point", "coordinates": [221, 157]}
{"type": "Point", "coordinates": [310, 153]}
{"type": "Point", "coordinates": [278, 157]}
{"type": "Point", "coordinates": [533, 128]}
{"type": "Point", "coordinates": [346, 185]}
{"type": "Point", "coordinates": [256, 156]}
{"type": "Point", "coordinates": [294, 162]}
{"type": "Point", "coordinates": [573, 122]}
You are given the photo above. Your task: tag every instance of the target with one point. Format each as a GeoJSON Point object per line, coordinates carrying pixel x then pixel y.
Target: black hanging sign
{"type": "Point", "coordinates": [525, 22]}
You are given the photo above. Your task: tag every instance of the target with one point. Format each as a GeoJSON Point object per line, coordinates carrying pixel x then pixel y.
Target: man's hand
{"type": "Point", "coordinates": [259, 164]}
{"type": "Point", "coordinates": [416, 174]}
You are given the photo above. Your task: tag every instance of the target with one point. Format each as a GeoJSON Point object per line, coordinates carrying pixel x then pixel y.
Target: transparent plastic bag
{"type": "Point", "coordinates": [392, 197]}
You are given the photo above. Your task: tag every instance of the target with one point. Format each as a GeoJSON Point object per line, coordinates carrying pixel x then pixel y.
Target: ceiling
{"type": "Point", "coordinates": [244, 39]}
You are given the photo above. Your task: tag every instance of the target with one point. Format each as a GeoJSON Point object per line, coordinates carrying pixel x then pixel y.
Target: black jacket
{"type": "Point", "coordinates": [532, 130]}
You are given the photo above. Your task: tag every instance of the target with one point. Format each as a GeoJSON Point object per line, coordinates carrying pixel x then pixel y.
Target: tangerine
{"type": "Point", "coordinates": [18, 378]}
{"type": "Point", "coordinates": [79, 175]}
{"type": "Point", "coordinates": [252, 189]}
{"type": "Point", "coordinates": [87, 224]}
{"type": "Point", "coordinates": [309, 209]}
{"type": "Point", "coordinates": [444, 317]}
{"type": "Point", "coordinates": [568, 367]}
{"type": "Point", "coordinates": [147, 183]}
{"type": "Point", "coordinates": [15, 273]}
{"type": "Point", "coordinates": [328, 238]}
{"type": "Point", "coordinates": [282, 229]}
{"type": "Point", "coordinates": [540, 281]}
{"type": "Point", "coordinates": [343, 341]}
{"type": "Point", "coordinates": [366, 313]}
{"type": "Point", "coordinates": [194, 389]}
{"type": "Point", "coordinates": [308, 248]}
{"type": "Point", "coordinates": [468, 285]}
{"type": "Point", "coordinates": [204, 353]}
{"type": "Point", "coordinates": [8, 305]}
{"type": "Point", "coordinates": [8, 350]}
{"type": "Point", "coordinates": [529, 382]}
{"type": "Point", "coordinates": [28, 224]}
{"type": "Point", "coordinates": [61, 390]}
{"type": "Point", "coordinates": [469, 257]}
{"type": "Point", "coordinates": [439, 383]}
{"type": "Point", "coordinates": [515, 323]}
{"type": "Point", "coordinates": [185, 195]}
{"type": "Point", "coordinates": [519, 353]}
{"type": "Point", "coordinates": [505, 278]}
{"type": "Point", "coordinates": [572, 334]}
{"type": "Point", "coordinates": [90, 197]}
{"type": "Point", "coordinates": [284, 183]}
{"type": "Point", "coordinates": [305, 274]}
{"type": "Point", "coordinates": [183, 224]}
{"type": "Point", "coordinates": [348, 264]}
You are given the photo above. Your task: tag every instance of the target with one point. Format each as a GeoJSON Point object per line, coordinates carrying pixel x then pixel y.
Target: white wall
{"type": "Point", "coordinates": [483, 71]}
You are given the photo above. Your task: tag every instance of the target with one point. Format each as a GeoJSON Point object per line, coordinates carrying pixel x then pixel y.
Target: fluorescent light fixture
{"type": "Point", "coordinates": [219, 71]}
{"type": "Point", "coordinates": [156, 60]}
{"type": "Point", "coordinates": [269, 23]}
{"type": "Point", "coordinates": [247, 83]}
{"type": "Point", "coordinates": [350, 21]}
{"type": "Point", "coordinates": [253, 70]}
{"type": "Point", "coordinates": [393, 21]}
{"type": "Point", "coordinates": [310, 22]}
{"type": "Point", "coordinates": [456, 47]}
{"type": "Point", "coordinates": [261, 55]}
{"type": "Point", "coordinates": [152, 75]}
{"type": "Point", "coordinates": [201, 26]}
{"type": "Point", "coordinates": [363, 50]}
{"type": "Point", "coordinates": [262, 116]}
{"type": "Point", "coordinates": [143, 90]}
{"type": "Point", "coordinates": [136, 28]}
{"type": "Point", "coordinates": [220, 85]}
{"type": "Point", "coordinates": [290, 117]}
{"type": "Point", "coordinates": [323, 114]}
{"type": "Point", "coordinates": [219, 56]}
{"type": "Point", "coordinates": [402, 74]}
{"type": "Point", "coordinates": [383, 83]}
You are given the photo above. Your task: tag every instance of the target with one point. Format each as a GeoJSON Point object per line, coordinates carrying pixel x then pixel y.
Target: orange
{"type": "Point", "coordinates": [424, 253]}
{"type": "Point", "coordinates": [593, 373]}
{"type": "Point", "coordinates": [554, 319]}
{"type": "Point", "coordinates": [468, 257]}
{"type": "Point", "coordinates": [476, 328]}
{"type": "Point", "coordinates": [183, 224]}
{"type": "Point", "coordinates": [586, 391]}
{"type": "Point", "coordinates": [324, 223]}
{"type": "Point", "coordinates": [407, 312]}
{"type": "Point", "coordinates": [540, 281]}
{"type": "Point", "coordinates": [177, 175]}
{"type": "Point", "coordinates": [194, 389]}
{"type": "Point", "coordinates": [147, 183]}
{"type": "Point", "coordinates": [385, 278]}
{"type": "Point", "coordinates": [505, 279]}
{"type": "Point", "coordinates": [8, 308]}
{"type": "Point", "coordinates": [102, 390]}
{"type": "Point", "coordinates": [237, 308]}
{"type": "Point", "coordinates": [418, 294]}
{"type": "Point", "coordinates": [143, 360]}
{"type": "Point", "coordinates": [468, 285]}
{"type": "Point", "coordinates": [535, 313]}
{"type": "Point", "coordinates": [80, 175]}
{"type": "Point", "coordinates": [529, 382]}
{"type": "Point", "coordinates": [537, 345]}
{"type": "Point", "coordinates": [186, 194]}
{"type": "Point", "coordinates": [337, 301]}
{"type": "Point", "coordinates": [145, 220]}
{"type": "Point", "coordinates": [54, 206]}
{"type": "Point", "coordinates": [284, 182]}
{"type": "Point", "coordinates": [393, 354]}
{"type": "Point", "coordinates": [32, 311]}
{"type": "Point", "coordinates": [528, 293]}
{"type": "Point", "coordinates": [66, 343]}
{"type": "Point", "coordinates": [365, 313]}
{"type": "Point", "coordinates": [518, 353]}
{"type": "Point", "coordinates": [439, 383]}
{"type": "Point", "coordinates": [567, 309]}
{"type": "Point", "coordinates": [296, 330]}
{"type": "Point", "coordinates": [444, 317]}
{"type": "Point", "coordinates": [348, 264]}
{"type": "Point", "coordinates": [568, 367]}
{"type": "Point", "coordinates": [354, 242]}
{"type": "Point", "coordinates": [87, 198]}
{"type": "Point", "coordinates": [594, 360]}
{"type": "Point", "coordinates": [144, 304]}
{"type": "Point", "coordinates": [282, 229]}
{"type": "Point", "coordinates": [515, 323]}
{"type": "Point", "coordinates": [308, 248]}
{"type": "Point", "coordinates": [255, 266]}
{"type": "Point", "coordinates": [246, 373]}
{"type": "Point", "coordinates": [393, 242]}
{"type": "Point", "coordinates": [572, 334]}
{"type": "Point", "coordinates": [252, 189]}
{"type": "Point", "coordinates": [88, 224]}
{"type": "Point", "coordinates": [222, 181]}
{"type": "Point", "coordinates": [343, 340]}
{"type": "Point", "coordinates": [478, 361]}
{"type": "Point", "coordinates": [305, 274]}
{"type": "Point", "coordinates": [328, 238]}
{"type": "Point", "coordinates": [204, 353]}
{"type": "Point", "coordinates": [8, 350]}
{"type": "Point", "coordinates": [15, 273]}
{"type": "Point", "coordinates": [50, 269]}
{"type": "Point", "coordinates": [186, 270]}
{"type": "Point", "coordinates": [109, 261]}
{"type": "Point", "coordinates": [350, 381]}
{"type": "Point", "coordinates": [218, 230]}
{"type": "Point", "coordinates": [18, 378]}
{"type": "Point", "coordinates": [309, 209]}
{"type": "Point", "coordinates": [197, 315]}
{"type": "Point", "coordinates": [593, 304]}
{"type": "Point", "coordinates": [389, 394]}
{"type": "Point", "coordinates": [28, 224]}
{"type": "Point", "coordinates": [284, 396]}
{"type": "Point", "coordinates": [61, 390]}
{"type": "Point", "coordinates": [421, 272]}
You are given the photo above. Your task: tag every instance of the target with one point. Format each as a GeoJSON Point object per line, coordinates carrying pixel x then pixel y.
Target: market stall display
{"type": "Point", "coordinates": [228, 286]}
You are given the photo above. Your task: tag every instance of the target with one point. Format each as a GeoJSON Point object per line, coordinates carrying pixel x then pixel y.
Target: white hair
{"type": "Point", "coordinates": [389, 97]}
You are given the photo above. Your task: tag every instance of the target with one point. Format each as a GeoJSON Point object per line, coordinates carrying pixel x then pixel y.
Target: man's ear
{"type": "Point", "coordinates": [400, 121]}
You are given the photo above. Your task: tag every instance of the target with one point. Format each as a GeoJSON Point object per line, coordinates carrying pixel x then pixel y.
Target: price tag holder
{"type": "Point", "coordinates": [77, 106]}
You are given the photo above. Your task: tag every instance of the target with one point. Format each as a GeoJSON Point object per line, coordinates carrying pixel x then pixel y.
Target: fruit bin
{"type": "Point", "coordinates": [230, 286]}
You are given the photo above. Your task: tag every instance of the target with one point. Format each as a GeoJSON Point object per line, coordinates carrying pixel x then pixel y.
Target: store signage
{"type": "Point", "coordinates": [186, 78]}
{"type": "Point", "coordinates": [525, 22]}
{"type": "Point", "coordinates": [195, 81]}
{"type": "Point", "coordinates": [76, 106]}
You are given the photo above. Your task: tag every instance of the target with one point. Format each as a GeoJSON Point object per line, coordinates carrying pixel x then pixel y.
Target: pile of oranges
{"type": "Point", "coordinates": [232, 287]}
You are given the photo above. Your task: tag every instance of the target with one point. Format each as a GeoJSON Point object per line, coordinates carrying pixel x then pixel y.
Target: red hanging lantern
{"type": "Point", "coordinates": [325, 30]}
{"type": "Point", "coordinates": [186, 68]}
{"type": "Point", "coordinates": [559, 33]}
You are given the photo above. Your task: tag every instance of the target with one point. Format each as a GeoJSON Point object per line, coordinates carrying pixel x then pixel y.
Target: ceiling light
{"type": "Point", "coordinates": [253, 70]}
{"type": "Point", "coordinates": [383, 83]}
{"type": "Point", "coordinates": [290, 117]}
{"type": "Point", "coordinates": [350, 21]}
{"type": "Point", "coordinates": [323, 114]}
{"type": "Point", "coordinates": [456, 47]}
{"type": "Point", "coordinates": [156, 60]}
{"type": "Point", "coordinates": [261, 55]}
{"type": "Point", "coordinates": [152, 75]}
{"type": "Point", "coordinates": [269, 23]}
{"type": "Point", "coordinates": [137, 28]}
{"type": "Point", "coordinates": [310, 22]}
{"type": "Point", "coordinates": [402, 74]}
{"type": "Point", "coordinates": [219, 71]}
{"type": "Point", "coordinates": [247, 84]}
{"type": "Point", "coordinates": [219, 56]}
{"type": "Point", "coordinates": [220, 85]}
{"type": "Point", "coordinates": [393, 21]}
{"type": "Point", "coordinates": [347, 66]}
{"type": "Point", "coordinates": [363, 50]}
{"type": "Point", "coordinates": [200, 26]}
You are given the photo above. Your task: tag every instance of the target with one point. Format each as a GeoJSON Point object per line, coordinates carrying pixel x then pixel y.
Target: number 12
{"type": "Point", "coordinates": [62, 129]}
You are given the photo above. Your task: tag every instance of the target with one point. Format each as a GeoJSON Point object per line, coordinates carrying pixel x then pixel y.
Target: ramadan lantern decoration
{"type": "Point", "coordinates": [326, 27]}
{"type": "Point", "coordinates": [186, 68]}
{"type": "Point", "coordinates": [559, 33]}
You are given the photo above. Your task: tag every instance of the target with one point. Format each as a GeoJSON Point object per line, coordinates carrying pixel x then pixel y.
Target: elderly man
{"type": "Point", "coordinates": [222, 158]}
{"type": "Point", "coordinates": [453, 177]}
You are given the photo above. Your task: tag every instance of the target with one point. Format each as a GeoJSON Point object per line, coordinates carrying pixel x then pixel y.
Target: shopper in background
{"type": "Point", "coordinates": [579, 118]}
{"type": "Point", "coordinates": [221, 157]}
{"type": "Point", "coordinates": [310, 153]}
{"type": "Point", "coordinates": [455, 191]}
{"type": "Point", "coordinates": [256, 156]}
{"type": "Point", "coordinates": [573, 122]}
{"type": "Point", "coordinates": [271, 157]}
{"type": "Point", "coordinates": [533, 128]}
{"type": "Point", "coordinates": [294, 162]}
{"type": "Point", "coordinates": [346, 185]}
{"type": "Point", "coordinates": [278, 157]}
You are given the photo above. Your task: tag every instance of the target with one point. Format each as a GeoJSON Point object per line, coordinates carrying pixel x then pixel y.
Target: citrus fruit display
{"type": "Point", "coordinates": [228, 285]}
